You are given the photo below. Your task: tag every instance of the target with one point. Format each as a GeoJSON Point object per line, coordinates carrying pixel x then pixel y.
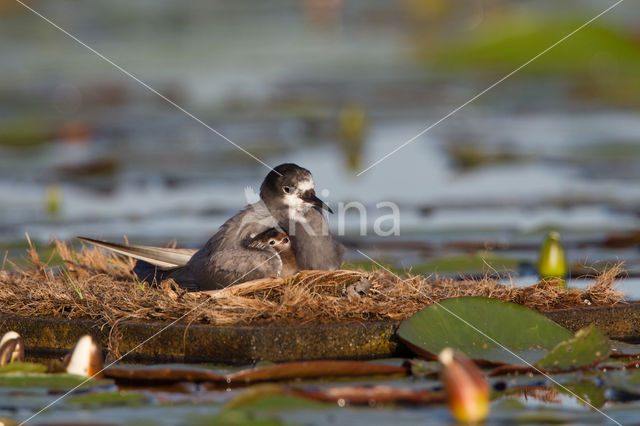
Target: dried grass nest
{"type": "Point", "coordinates": [100, 286]}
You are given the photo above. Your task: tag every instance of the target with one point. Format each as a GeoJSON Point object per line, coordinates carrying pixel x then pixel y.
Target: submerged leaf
{"type": "Point", "coordinates": [473, 325]}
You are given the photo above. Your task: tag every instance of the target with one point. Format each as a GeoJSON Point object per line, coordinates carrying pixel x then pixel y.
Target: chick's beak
{"type": "Point", "coordinates": [310, 197]}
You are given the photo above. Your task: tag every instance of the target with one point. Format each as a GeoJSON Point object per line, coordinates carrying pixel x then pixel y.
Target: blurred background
{"type": "Point", "coordinates": [333, 86]}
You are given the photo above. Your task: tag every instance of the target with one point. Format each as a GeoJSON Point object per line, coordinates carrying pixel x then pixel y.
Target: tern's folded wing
{"type": "Point", "coordinates": [159, 256]}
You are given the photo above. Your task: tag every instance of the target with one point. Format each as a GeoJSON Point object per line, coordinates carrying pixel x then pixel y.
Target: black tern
{"type": "Point", "coordinates": [287, 203]}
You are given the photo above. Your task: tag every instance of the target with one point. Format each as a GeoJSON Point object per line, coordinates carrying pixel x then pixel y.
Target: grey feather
{"type": "Point", "coordinates": [159, 256]}
{"type": "Point", "coordinates": [313, 245]}
{"type": "Point", "coordinates": [225, 258]}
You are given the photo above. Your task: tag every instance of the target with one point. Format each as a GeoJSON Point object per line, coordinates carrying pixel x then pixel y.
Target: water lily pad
{"type": "Point", "coordinates": [479, 262]}
{"type": "Point", "coordinates": [260, 405]}
{"type": "Point", "coordinates": [49, 381]}
{"type": "Point", "coordinates": [506, 41]}
{"type": "Point", "coordinates": [272, 402]}
{"type": "Point", "coordinates": [313, 369]}
{"type": "Point", "coordinates": [270, 372]}
{"type": "Point", "coordinates": [163, 374]}
{"type": "Point", "coordinates": [474, 325]}
{"type": "Point", "coordinates": [100, 399]}
{"type": "Point", "coordinates": [240, 417]}
{"type": "Point", "coordinates": [586, 349]}
{"type": "Point", "coordinates": [23, 367]}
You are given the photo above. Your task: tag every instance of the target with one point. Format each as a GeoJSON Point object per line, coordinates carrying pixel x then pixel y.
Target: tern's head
{"type": "Point", "coordinates": [289, 185]}
{"type": "Point", "coordinates": [271, 239]}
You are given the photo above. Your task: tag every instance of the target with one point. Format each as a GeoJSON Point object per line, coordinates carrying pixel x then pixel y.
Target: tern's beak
{"type": "Point", "coordinates": [310, 197]}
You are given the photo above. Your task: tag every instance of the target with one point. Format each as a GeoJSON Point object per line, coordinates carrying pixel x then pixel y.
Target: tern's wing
{"type": "Point", "coordinates": [159, 256]}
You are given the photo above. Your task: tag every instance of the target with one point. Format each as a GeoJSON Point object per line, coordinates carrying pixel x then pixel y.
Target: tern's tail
{"type": "Point", "coordinates": [158, 256]}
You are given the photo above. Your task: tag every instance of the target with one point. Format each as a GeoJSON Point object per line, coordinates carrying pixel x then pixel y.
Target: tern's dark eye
{"type": "Point", "coordinates": [287, 189]}
{"type": "Point", "coordinates": [272, 242]}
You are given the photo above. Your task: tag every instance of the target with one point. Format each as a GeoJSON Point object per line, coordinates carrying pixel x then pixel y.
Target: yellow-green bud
{"type": "Point", "coordinates": [552, 263]}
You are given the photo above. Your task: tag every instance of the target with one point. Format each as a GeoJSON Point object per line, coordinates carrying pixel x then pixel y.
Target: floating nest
{"type": "Point", "coordinates": [100, 286]}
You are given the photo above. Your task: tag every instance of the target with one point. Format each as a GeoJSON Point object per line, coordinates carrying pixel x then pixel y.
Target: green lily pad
{"type": "Point", "coordinates": [474, 325]}
{"type": "Point", "coordinates": [49, 381]}
{"type": "Point", "coordinates": [269, 397]}
{"type": "Point", "coordinates": [24, 132]}
{"type": "Point", "coordinates": [239, 417]}
{"type": "Point", "coordinates": [260, 405]}
{"type": "Point", "coordinates": [278, 403]}
{"type": "Point", "coordinates": [586, 349]}
{"type": "Point", "coordinates": [507, 41]}
{"type": "Point", "coordinates": [100, 399]}
{"type": "Point", "coordinates": [23, 367]}
{"type": "Point", "coordinates": [479, 262]}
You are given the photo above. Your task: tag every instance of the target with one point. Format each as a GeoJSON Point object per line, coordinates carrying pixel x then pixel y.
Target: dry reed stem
{"type": "Point", "coordinates": [110, 293]}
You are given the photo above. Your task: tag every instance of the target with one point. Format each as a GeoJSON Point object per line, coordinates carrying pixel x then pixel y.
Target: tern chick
{"type": "Point", "coordinates": [278, 243]}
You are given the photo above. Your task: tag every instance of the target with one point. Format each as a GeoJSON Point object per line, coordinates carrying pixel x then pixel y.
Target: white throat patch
{"type": "Point", "coordinates": [295, 203]}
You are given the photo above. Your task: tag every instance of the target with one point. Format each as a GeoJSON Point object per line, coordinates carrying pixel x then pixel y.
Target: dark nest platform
{"type": "Point", "coordinates": [312, 315]}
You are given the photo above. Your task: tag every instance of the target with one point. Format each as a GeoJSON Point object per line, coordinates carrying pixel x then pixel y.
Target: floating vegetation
{"type": "Point", "coordinates": [506, 41]}
{"type": "Point", "coordinates": [24, 133]}
{"type": "Point", "coordinates": [110, 293]}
